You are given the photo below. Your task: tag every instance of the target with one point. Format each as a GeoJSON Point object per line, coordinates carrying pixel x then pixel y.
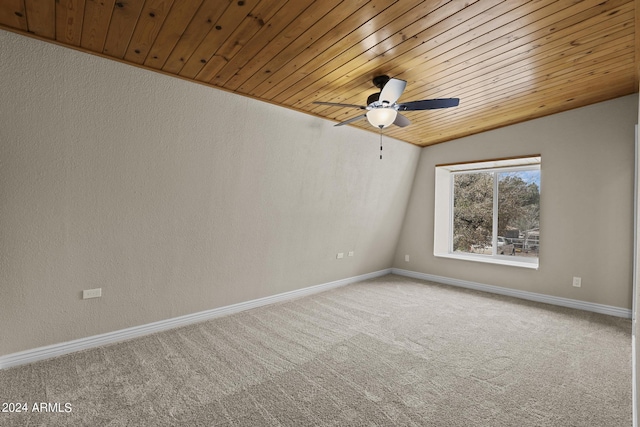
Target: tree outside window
{"type": "Point", "coordinates": [497, 212]}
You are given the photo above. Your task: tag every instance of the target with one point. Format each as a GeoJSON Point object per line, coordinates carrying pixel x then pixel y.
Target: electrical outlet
{"type": "Point", "coordinates": [406, 258]}
{"type": "Point", "coordinates": [350, 253]}
{"type": "Point", "coordinates": [340, 255]}
{"type": "Point", "coordinates": [577, 282]}
{"type": "Point", "coordinates": [92, 293]}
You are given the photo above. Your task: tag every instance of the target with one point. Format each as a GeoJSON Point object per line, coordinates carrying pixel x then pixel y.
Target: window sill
{"type": "Point", "coordinates": [490, 260]}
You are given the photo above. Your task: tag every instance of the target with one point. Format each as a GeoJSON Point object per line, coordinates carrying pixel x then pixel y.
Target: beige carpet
{"type": "Point", "coordinates": [389, 351]}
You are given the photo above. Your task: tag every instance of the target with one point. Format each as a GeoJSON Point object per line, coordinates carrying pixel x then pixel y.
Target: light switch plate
{"type": "Point", "coordinates": [92, 293]}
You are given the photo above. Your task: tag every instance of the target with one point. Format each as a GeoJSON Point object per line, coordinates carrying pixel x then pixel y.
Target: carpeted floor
{"type": "Point", "coordinates": [388, 351]}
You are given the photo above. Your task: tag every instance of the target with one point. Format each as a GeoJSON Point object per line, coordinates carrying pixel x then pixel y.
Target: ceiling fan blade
{"type": "Point", "coordinates": [334, 104]}
{"type": "Point", "coordinates": [392, 90]}
{"type": "Point", "coordinates": [429, 104]}
{"type": "Point", "coordinates": [346, 122]}
{"type": "Point", "coordinates": [401, 121]}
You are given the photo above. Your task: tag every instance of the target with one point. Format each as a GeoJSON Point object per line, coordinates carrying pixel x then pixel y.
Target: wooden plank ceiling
{"type": "Point", "coordinates": [507, 61]}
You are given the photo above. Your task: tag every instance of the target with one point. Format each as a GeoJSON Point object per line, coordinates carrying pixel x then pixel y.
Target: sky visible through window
{"type": "Point", "coordinates": [530, 176]}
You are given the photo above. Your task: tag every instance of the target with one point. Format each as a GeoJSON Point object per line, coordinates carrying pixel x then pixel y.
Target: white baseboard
{"type": "Point", "coordinates": [532, 296]}
{"type": "Point", "coordinates": [47, 352]}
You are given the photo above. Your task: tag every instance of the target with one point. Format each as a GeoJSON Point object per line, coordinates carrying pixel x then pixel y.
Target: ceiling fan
{"type": "Point", "coordinates": [383, 108]}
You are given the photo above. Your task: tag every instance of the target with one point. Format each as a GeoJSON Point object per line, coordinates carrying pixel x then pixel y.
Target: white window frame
{"type": "Point", "coordinates": [443, 213]}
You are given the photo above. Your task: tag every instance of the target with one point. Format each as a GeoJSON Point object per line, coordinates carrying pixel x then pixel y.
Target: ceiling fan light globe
{"type": "Point", "coordinates": [381, 117]}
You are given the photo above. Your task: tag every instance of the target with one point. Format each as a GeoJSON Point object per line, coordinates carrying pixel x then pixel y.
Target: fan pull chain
{"type": "Point", "coordinates": [380, 142]}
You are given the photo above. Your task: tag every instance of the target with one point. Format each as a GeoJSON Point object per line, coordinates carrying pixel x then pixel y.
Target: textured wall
{"type": "Point", "coordinates": [172, 197]}
{"type": "Point", "coordinates": [636, 296]}
{"type": "Point", "coordinates": [586, 205]}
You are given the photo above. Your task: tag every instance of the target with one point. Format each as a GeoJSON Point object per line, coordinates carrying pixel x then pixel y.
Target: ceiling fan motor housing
{"type": "Point", "coordinates": [380, 81]}
{"type": "Point", "coordinates": [373, 98]}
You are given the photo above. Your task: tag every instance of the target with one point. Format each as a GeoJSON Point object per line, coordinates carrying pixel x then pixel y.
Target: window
{"type": "Point", "coordinates": [489, 211]}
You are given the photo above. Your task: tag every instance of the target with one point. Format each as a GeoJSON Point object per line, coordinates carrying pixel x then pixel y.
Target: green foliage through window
{"type": "Point", "coordinates": [516, 219]}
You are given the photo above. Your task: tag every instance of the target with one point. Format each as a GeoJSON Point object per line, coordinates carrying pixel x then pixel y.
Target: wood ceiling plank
{"type": "Point", "coordinates": [286, 27]}
{"type": "Point", "coordinates": [576, 96]}
{"type": "Point", "coordinates": [152, 17]}
{"type": "Point", "coordinates": [239, 19]}
{"type": "Point", "coordinates": [465, 57]}
{"type": "Point", "coordinates": [579, 100]}
{"type": "Point", "coordinates": [424, 57]}
{"type": "Point", "coordinates": [448, 67]}
{"type": "Point", "coordinates": [366, 20]}
{"type": "Point", "coordinates": [637, 52]}
{"type": "Point", "coordinates": [293, 40]}
{"type": "Point", "coordinates": [557, 51]}
{"type": "Point", "coordinates": [565, 60]}
{"type": "Point", "coordinates": [97, 16]}
{"type": "Point", "coordinates": [201, 24]}
{"type": "Point", "coordinates": [521, 100]}
{"type": "Point", "coordinates": [359, 64]}
{"type": "Point", "coordinates": [13, 14]}
{"type": "Point", "coordinates": [363, 65]}
{"type": "Point", "coordinates": [504, 116]}
{"type": "Point", "coordinates": [41, 17]}
{"type": "Point", "coordinates": [527, 92]}
{"type": "Point", "coordinates": [306, 70]}
{"type": "Point", "coordinates": [325, 29]}
{"type": "Point", "coordinates": [123, 23]}
{"type": "Point", "coordinates": [470, 28]}
{"type": "Point", "coordinates": [269, 27]}
{"type": "Point", "coordinates": [69, 16]}
{"type": "Point", "coordinates": [544, 92]}
{"type": "Point", "coordinates": [524, 83]}
{"type": "Point", "coordinates": [549, 91]}
{"type": "Point", "coordinates": [175, 25]}
{"type": "Point", "coordinates": [570, 65]}
{"type": "Point", "coordinates": [540, 35]}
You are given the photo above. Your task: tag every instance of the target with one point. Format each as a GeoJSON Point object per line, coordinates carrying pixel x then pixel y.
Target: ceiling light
{"type": "Point", "coordinates": [381, 117]}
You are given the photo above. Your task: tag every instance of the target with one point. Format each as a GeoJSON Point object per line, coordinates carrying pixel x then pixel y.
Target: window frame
{"type": "Point", "coordinates": [444, 208]}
